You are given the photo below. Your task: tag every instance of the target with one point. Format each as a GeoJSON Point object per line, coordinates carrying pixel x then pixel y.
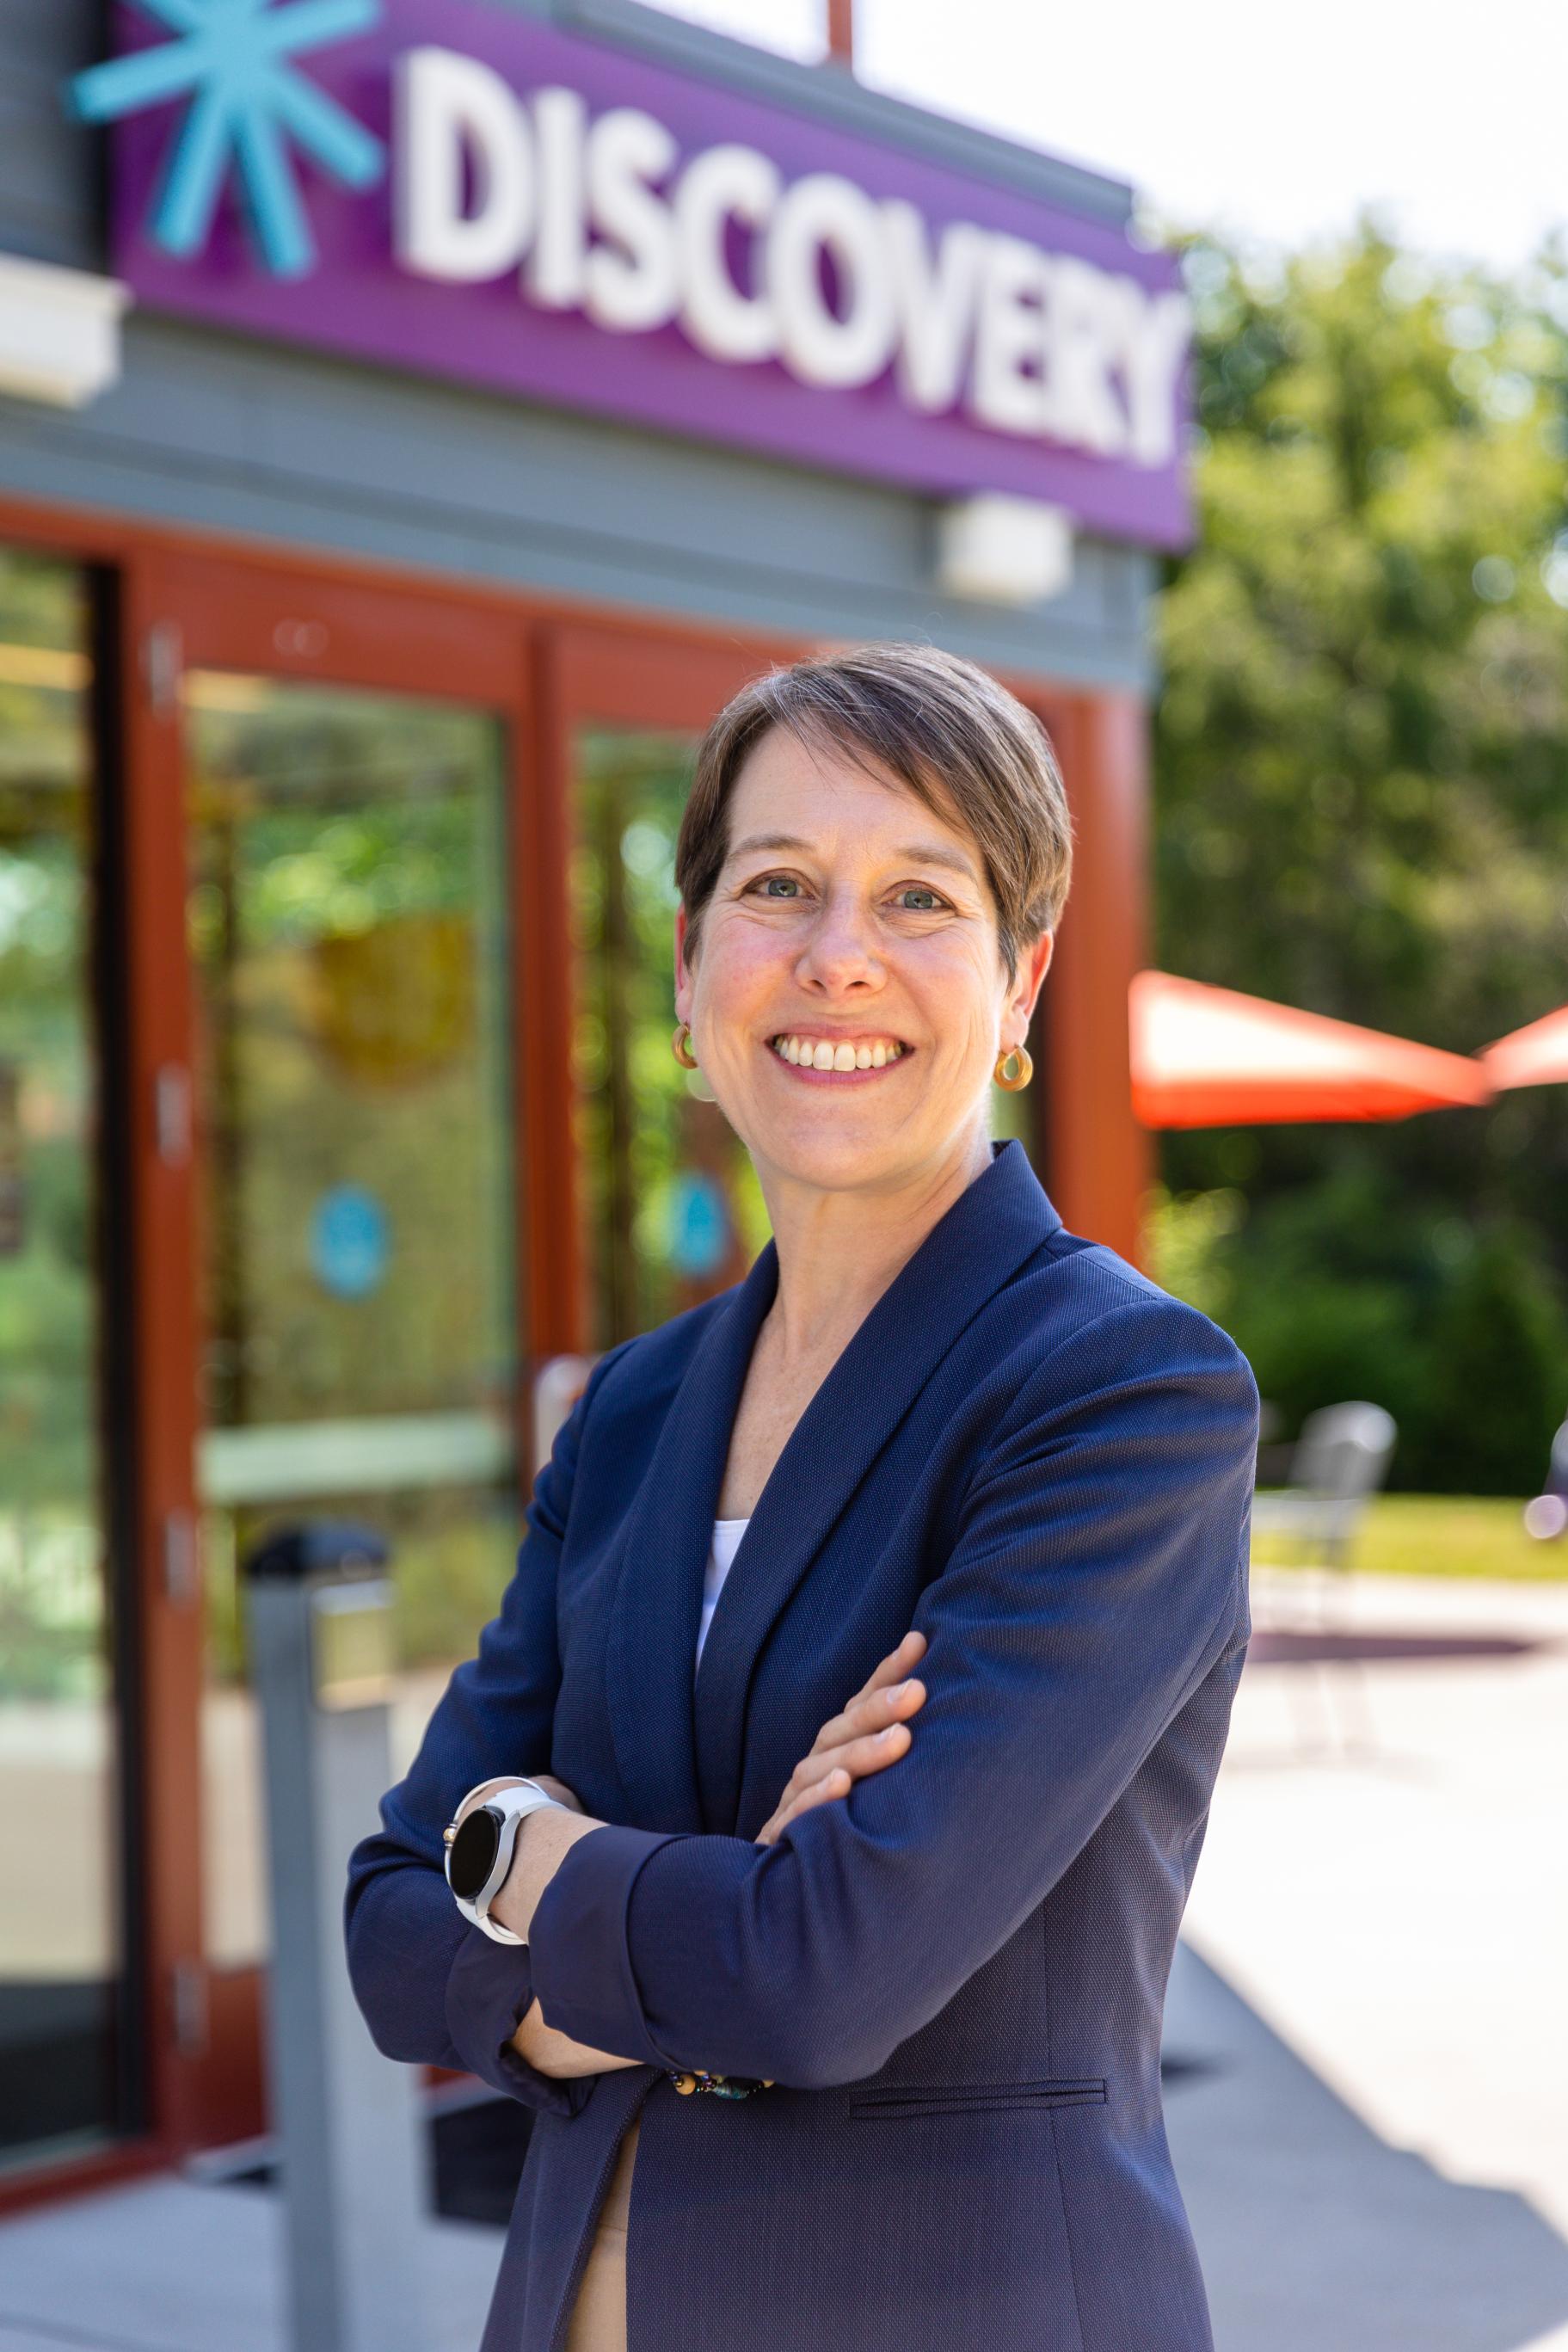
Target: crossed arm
{"type": "Point", "coordinates": [870, 1734]}
{"type": "Point", "coordinates": [1096, 1575]}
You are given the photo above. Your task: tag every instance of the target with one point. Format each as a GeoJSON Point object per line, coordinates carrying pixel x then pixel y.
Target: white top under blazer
{"type": "Point", "coordinates": [727, 1535]}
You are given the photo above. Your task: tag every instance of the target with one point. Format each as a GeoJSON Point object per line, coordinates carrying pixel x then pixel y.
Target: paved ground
{"type": "Point", "coordinates": [1375, 1968]}
{"type": "Point", "coordinates": [166, 2265]}
{"type": "Point", "coordinates": [1369, 2098]}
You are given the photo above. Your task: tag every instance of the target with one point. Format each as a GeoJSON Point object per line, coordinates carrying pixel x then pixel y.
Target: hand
{"type": "Point", "coordinates": [560, 1791]}
{"type": "Point", "coordinates": [542, 2045]}
{"type": "Point", "coordinates": [872, 1732]}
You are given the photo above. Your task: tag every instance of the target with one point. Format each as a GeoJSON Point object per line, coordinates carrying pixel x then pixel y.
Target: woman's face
{"type": "Point", "coordinates": [849, 919]}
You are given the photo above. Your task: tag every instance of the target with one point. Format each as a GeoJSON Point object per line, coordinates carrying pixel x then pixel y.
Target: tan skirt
{"type": "Point", "coordinates": [599, 2313]}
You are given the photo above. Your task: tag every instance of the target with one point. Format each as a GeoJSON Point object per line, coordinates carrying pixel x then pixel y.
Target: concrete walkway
{"type": "Point", "coordinates": [1373, 1968]}
{"type": "Point", "coordinates": [1368, 2102]}
{"type": "Point", "coordinates": [169, 2266]}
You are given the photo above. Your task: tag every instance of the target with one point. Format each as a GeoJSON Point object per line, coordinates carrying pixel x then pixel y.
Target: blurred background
{"type": "Point", "coordinates": [378, 532]}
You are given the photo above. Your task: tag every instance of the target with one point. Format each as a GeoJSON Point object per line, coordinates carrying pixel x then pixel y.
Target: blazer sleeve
{"type": "Point", "coordinates": [433, 1987]}
{"type": "Point", "coordinates": [1097, 1574]}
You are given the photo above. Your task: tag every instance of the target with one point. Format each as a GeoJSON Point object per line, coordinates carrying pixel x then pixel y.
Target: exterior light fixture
{"type": "Point", "coordinates": [59, 331]}
{"type": "Point", "coordinates": [998, 550]}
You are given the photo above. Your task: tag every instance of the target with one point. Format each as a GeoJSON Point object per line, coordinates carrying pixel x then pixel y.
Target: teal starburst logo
{"type": "Point", "coordinates": [249, 103]}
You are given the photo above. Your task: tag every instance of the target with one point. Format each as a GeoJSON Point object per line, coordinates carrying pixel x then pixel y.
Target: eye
{"type": "Point", "coordinates": [765, 884]}
{"type": "Point", "coordinates": [920, 891]}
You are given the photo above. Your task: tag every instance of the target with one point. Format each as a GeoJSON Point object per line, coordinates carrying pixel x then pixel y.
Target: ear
{"type": "Point", "coordinates": [1032, 967]}
{"type": "Point", "coordinates": [683, 977]}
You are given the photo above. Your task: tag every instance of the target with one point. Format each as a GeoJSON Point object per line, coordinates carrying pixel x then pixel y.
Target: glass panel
{"type": "Point", "coordinates": [348, 923]}
{"type": "Point", "coordinates": [673, 1211]}
{"type": "Point", "coordinates": [59, 1958]}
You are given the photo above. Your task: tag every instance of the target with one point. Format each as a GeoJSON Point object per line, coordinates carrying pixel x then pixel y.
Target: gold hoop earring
{"type": "Point", "coordinates": [1020, 1055]}
{"type": "Point", "coordinates": [681, 1047]}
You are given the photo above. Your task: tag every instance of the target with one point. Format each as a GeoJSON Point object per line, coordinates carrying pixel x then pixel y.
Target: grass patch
{"type": "Point", "coordinates": [1440, 1534]}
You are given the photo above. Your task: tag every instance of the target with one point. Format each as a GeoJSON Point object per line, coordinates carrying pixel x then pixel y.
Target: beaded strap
{"type": "Point", "coordinates": [722, 2086]}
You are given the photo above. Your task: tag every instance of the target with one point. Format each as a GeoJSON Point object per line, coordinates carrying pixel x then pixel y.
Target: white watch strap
{"type": "Point", "coordinates": [513, 1804]}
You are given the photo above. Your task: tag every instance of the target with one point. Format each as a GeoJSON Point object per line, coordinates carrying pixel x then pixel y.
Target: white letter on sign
{"type": "Point", "coordinates": [1009, 390]}
{"type": "Point", "coordinates": [633, 279]}
{"type": "Point", "coordinates": [724, 184]}
{"type": "Point", "coordinates": [822, 214]}
{"type": "Point", "coordinates": [554, 274]}
{"type": "Point", "coordinates": [451, 109]}
{"type": "Point", "coordinates": [1153, 350]}
{"type": "Point", "coordinates": [936, 302]}
{"type": "Point", "coordinates": [1090, 311]}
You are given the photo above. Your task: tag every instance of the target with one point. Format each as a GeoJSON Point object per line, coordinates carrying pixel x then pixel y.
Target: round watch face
{"type": "Point", "coordinates": [471, 1856]}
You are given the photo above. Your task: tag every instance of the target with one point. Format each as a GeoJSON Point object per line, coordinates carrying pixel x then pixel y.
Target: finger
{"type": "Point", "coordinates": [894, 1702]}
{"type": "Point", "coordinates": [857, 1757]}
{"type": "Point", "coordinates": [897, 1662]}
{"type": "Point", "coordinates": [557, 1789]}
{"type": "Point", "coordinates": [832, 1774]}
{"type": "Point", "coordinates": [834, 1784]}
{"type": "Point", "coordinates": [856, 1760]}
{"type": "Point", "coordinates": [875, 1749]}
{"type": "Point", "coordinates": [845, 1756]}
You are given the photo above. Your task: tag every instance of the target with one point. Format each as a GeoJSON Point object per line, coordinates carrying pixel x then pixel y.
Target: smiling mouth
{"type": "Point", "coordinates": [841, 1055]}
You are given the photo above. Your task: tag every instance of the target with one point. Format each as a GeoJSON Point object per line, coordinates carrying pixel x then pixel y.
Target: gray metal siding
{"type": "Point", "coordinates": [49, 167]}
{"type": "Point", "coordinates": [220, 433]}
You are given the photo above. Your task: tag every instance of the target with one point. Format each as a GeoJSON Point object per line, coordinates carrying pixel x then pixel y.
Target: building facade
{"type": "Point", "coordinates": [416, 420]}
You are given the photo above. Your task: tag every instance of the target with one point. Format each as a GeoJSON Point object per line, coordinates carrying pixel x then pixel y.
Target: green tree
{"type": "Point", "coordinates": [1361, 799]}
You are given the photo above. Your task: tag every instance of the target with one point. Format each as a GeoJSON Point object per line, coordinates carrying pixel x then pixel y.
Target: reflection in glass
{"type": "Point", "coordinates": [673, 1209]}
{"type": "Point", "coordinates": [59, 1958]}
{"type": "Point", "coordinates": [348, 926]}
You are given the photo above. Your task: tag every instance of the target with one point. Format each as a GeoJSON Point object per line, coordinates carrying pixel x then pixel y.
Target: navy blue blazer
{"type": "Point", "coordinates": [954, 1975]}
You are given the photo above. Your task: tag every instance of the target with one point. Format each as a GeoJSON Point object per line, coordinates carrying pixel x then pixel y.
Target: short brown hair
{"type": "Point", "coordinates": [939, 724]}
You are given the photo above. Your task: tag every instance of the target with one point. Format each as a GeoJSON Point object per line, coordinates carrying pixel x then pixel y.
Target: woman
{"type": "Point", "coordinates": [838, 1993]}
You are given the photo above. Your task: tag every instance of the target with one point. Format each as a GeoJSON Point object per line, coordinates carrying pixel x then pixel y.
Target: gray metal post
{"type": "Point", "coordinates": [346, 2122]}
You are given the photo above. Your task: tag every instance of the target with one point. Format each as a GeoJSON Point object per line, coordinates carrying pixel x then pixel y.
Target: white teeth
{"type": "Point", "coordinates": [822, 1054]}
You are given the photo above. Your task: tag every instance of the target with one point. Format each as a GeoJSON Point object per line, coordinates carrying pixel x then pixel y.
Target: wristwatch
{"type": "Point", "coordinates": [479, 1851]}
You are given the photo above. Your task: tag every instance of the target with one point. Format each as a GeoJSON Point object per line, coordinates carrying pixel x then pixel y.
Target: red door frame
{"type": "Point", "coordinates": [190, 612]}
{"type": "Point", "coordinates": [545, 667]}
{"type": "Point", "coordinates": [1096, 1160]}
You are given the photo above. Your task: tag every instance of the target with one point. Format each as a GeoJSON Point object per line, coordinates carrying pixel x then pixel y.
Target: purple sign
{"type": "Point", "coordinates": [454, 188]}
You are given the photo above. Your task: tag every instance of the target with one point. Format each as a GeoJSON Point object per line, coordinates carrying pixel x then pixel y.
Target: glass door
{"type": "Point", "coordinates": [670, 1203]}
{"type": "Point", "coordinates": [342, 767]}
{"type": "Point", "coordinates": [348, 926]}
{"type": "Point", "coordinates": [669, 1207]}
{"type": "Point", "coordinates": [61, 1824]}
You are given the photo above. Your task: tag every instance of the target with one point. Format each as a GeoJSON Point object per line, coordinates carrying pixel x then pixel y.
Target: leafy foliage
{"type": "Point", "coordinates": [1361, 792]}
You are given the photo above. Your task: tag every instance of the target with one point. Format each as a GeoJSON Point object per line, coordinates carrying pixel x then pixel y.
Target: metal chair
{"type": "Point", "coordinates": [1338, 1463]}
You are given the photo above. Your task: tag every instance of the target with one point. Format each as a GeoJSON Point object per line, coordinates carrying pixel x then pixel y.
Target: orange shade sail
{"type": "Point", "coordinates": [1206, 1056]}
{"type": "Point", "coordinates": [1534, 1056]}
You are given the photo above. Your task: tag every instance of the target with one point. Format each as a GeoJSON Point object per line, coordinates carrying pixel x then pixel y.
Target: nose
{"type": "Point", "coordinates": [841, 952]}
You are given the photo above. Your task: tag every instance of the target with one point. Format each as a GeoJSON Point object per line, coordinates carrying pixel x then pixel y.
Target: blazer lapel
{"type": "Point", "coordinates": [657, 1605]}
{"type": "Point", "coordinates": [995, 1224]}
{"type": "Point", "coordinates": [680, 1752]}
